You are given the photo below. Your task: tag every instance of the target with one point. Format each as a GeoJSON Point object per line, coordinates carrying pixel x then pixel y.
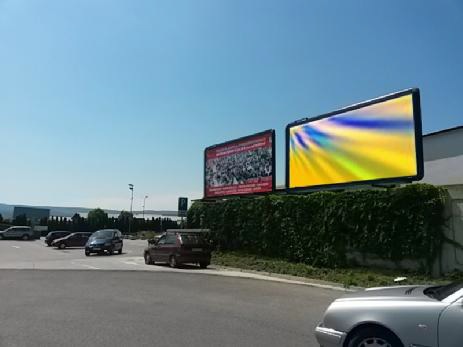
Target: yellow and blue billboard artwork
{"type": "Point", "coordinates": [370, 143]}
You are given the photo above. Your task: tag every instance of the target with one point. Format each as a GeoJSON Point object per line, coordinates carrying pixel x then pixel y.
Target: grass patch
{"type": "Point", "coordinates": [358, 276]}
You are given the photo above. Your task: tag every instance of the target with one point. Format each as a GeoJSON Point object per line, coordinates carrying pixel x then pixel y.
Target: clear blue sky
{"type": "Point", "coordinates": [98, 94]}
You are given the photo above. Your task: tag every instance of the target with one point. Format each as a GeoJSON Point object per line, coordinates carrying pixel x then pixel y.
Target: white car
{"type": "Point", "coordinates": [400, 316]}
{"type": "Point", "coordinates": [17, 232]}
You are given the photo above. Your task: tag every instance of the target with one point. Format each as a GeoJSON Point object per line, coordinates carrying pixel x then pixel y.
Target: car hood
{"type": "Point", "coordinates": [396, 293]}
{"type": "Point", "coordinates": [98, 241]}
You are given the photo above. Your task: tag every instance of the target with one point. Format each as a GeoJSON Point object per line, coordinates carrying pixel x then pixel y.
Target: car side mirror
{"type": "Point", "coordinates": [152, 241]}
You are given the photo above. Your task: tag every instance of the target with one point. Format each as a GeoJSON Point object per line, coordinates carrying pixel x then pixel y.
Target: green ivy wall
{"type": "Point", "coordinates": [320, 228]}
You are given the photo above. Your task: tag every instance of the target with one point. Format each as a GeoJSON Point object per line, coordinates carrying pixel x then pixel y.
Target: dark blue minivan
{"type": "Point", "coordinates": [105, 240]}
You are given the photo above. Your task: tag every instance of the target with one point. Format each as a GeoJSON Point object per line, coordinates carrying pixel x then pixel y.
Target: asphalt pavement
{"type": "Point", "coordinates": [73, 300]}
{"type": "Point", "coordinates": [35, 254]}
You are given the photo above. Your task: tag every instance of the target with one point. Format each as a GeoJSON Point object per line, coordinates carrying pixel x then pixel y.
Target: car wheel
{"type": "Point", "coordinates": [119, 251]}
{"type": "Point", "coordinates": [87, 253]}
{"type": "Point", "coordinates": [203, 265]}
{"type": "Point", "coordinates": [173, 261]}
{"type": "Point", "coordinates": [62, 246]}
{"type": "Point", "coordinates": [25, 237]}
{"type": "Point", "coordinates": [111, 251]}
{"type": "Point", "coordinates": [374, 337]}
{"type": "Point", "coordinates": [1, 237]}
{"type": "Point", "coordinates": [148, 260]}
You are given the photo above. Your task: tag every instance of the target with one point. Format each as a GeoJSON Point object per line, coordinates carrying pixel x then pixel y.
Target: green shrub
{"type": "Point", "coordinates": [320, 228]}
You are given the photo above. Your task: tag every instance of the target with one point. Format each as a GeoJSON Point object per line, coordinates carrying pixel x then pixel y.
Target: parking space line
{"type": "Point", "coordinates": [15, 246]}
{"type": "Point", "coordinates": [129, 262]}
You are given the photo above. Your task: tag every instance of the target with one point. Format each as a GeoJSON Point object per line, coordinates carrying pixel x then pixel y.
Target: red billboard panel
{"type": "Point", "coordinates": [240, 167]}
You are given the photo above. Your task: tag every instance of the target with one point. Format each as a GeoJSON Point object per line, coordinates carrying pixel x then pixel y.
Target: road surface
{"type": "Point", "coordinates": [89, 301]}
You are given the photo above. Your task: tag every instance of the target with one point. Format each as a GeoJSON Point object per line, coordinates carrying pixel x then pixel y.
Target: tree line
{"type": "Point", "coordinates": [99, 219]}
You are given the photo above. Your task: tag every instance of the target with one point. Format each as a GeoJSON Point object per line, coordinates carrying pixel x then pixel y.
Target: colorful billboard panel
{"type": "Point", "coordinates": [240, 167]}
{"type": "Point", "coordinates": [379, 140]}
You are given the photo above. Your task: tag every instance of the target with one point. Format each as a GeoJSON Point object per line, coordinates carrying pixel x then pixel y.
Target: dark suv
{"type": "Point", "coordinates": [109, 240]}
{"type": "Point", "coordinates": [53, 235]}
{"type": "Point", "coordinates": [179, 246]}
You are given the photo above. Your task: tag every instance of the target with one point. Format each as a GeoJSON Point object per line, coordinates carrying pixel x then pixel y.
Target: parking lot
{"type": "Point", "coordinates": [36, 255]}
{"type": "Point", "coordinates": [94, 303]}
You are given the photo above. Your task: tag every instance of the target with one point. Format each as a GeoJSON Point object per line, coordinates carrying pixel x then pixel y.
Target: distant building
{"type": "Point", "coordinates": [34, 215]}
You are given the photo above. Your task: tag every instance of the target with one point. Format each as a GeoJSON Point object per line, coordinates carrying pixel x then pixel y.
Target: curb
{"type": "Point", "coordinates": [270, 276]}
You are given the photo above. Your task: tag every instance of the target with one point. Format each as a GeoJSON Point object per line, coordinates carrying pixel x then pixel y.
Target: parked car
{"type": "Point", "coordinates": [399, 316]}
{"type": "Point", "coordinates": [109, 240]}
{"type": "Point", "coordinates": [179, 246]}
{"type": "Point", "coordinates": [17, 232]}
{"type": "Point", "coordinates": [72, 240]}
{"type": "Point", "coordinates": [53, 235]}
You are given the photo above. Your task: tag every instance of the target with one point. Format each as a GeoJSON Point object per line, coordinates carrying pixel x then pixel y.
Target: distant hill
{"type": "Point", "coordinates": [7, 211]}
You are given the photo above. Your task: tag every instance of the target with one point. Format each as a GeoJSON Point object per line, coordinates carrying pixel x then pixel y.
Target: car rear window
{"type": "Point", "coordinates": [192, 239]}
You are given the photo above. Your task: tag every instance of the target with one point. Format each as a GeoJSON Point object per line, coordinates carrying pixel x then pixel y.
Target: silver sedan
{"type": "Point", "coordinates": [400, 316]}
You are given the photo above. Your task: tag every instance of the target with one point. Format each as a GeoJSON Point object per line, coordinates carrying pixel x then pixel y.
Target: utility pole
{"type": "Point", "coordinates": [144, 200]}
{"type": "Point", "coordinates": [131, 204]}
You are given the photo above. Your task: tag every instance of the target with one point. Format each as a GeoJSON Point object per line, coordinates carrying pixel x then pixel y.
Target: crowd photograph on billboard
{"type": "Point", "coordinates": [371, 142]}
{"type": "Point", "coordinates": [241, 166]}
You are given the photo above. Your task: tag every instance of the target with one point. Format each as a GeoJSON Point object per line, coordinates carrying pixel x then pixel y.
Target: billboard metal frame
{"type": "Point", "coordinates": [415, 92]}
{"type": "Point", "coordinates": [261, 133]}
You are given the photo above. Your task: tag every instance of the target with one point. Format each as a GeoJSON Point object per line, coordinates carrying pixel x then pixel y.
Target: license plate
{"type": "Point", "coordinates": [197, 249]}
{"type": "Point", "coordinates": [96, 248]}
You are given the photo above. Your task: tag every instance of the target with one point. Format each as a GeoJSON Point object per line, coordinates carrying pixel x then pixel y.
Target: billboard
{"type": "Point", "coordinates": [377, 141]}
{"type": "Point", "coordinates": [242, 166]}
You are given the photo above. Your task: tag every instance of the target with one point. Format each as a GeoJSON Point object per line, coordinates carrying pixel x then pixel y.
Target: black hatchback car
{"type": "Point", "coordinates": [179, 246]}
{"type": "Point", "coordinates": [53, 235]}
{"type": "Point", "coordinates": [109, 240]}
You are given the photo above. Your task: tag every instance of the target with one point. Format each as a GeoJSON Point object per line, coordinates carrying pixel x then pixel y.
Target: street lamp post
{"type": "Point", "coordinates": [144, 200]}
{"type": "Point", "coordinates": [131, 204]}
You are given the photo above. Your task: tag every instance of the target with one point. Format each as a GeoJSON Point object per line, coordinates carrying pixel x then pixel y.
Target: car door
{"type": "Point", "coordinates": [72, 241]}
{"type": "Point", "coordinates": [451, 325]}
{"type": "Point", "coordinates": [14, 232]}
{"type": "Point", "coordinates": [82, 240]}
{"type": "Point", "coordinates": [170, 247]}
{"type": "Point", "coordinates": [156, 250]}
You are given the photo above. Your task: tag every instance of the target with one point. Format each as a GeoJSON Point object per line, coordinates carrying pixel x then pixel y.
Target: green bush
{"type": "Point", "coordinates": [320, 228]}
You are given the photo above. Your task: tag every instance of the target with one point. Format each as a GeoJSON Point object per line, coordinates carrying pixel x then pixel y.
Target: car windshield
{"type": "Point", "coordinates": [103, 234]}
{"type": "Point", "coordinates": [442, 292]}
{"type": "Point", "coordinates": [192, 239]}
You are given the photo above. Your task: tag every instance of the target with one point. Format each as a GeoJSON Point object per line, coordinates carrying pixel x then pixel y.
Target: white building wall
{"type": "Point", "coordinates": [443, 166]}
{"type": "Point", "coordinates": [443, 157]}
